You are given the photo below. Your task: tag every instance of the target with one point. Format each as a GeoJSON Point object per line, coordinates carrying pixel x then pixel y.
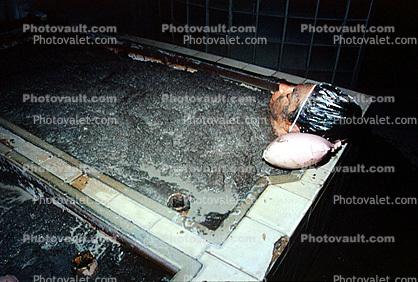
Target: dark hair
{"type": "Point", "coordinates": [324, 110]}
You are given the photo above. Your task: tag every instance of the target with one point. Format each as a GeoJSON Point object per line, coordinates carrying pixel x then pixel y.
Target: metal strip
{"type": "Point", "coordinates": [256, 30]}
{"type": "Point", "coordinates": [172, 18]}
{"type": "Point", "coordinates": [308, 58]}
{"type": "Point", "coordinates": [188, 19]}
{"type": "Point", "coordinates": [206, 22]}
{"type": "Point", "coordinates": [280, 62]}
{"type": "Point", "coordinates": [229, 25]}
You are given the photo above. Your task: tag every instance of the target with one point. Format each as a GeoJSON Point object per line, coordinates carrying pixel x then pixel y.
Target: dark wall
{"type": "Point", "coordinates": [381, 69]}
{"type": "Point", "coordinates": [392, 70]}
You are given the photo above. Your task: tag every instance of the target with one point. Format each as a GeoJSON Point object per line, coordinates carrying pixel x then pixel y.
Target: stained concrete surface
{"type": "Point", "coordinates": [39, 239]}
{"type": "Point", "coordinates": [166, 140]}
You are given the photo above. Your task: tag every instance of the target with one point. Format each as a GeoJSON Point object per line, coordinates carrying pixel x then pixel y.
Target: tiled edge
{"type": "Point", "coordinates": [313, 179]}
{"type": "Point", "coordinates": [184, 240]}
{"type": "Point", "coordinates": [279, 209]}
{"type": "Point", "coordinates": [185, 51]}
{"type": "Point", "coordinates": [225, 61]}
{"type": "Point", "coordinates": [207, 57]}
{"type": "Point", "coordinates": [249, 248]}
{"type": "Point", "coordinates": [289, 77]}
{"type": "Point", "coordinates": [61, 169]}
{"type": "Point", "coordinates": [133, 211]}
{"type": "Point", "coordinates": [99, 191]}
{"type": "Point", "coordinates": [4, 149]}
{"type": "Point", "coordinates": [259, 70]}
{"type": "Point", "coordinates": [320, 174]}
{"type": "Point", "coordinates": [35, 154]}
{"type": "Point", "coordinates": [170, 232]}
{"type": "Point", "coordinates": [215, 269]}
{"type": "Point", "coordinates": [232, 63]}
{"type": "Point", "coordinates": [149, 42]}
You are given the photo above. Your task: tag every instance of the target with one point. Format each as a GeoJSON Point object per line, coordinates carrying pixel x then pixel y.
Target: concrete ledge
{"type": "Point", "coordinates": [187, 242]}
{"type": "Point", "coordinates": [233, 63]}
{"type": "Point", "coordinates": [215, 269]}
{"type": "Point", "coordinates": [259, 70]}
{"type": "Point", "coordinates": [289, 77]}
{"type": "Point", "coordinates": [249, 248]}
{"type": "Point", "coordinates": [280, 209]}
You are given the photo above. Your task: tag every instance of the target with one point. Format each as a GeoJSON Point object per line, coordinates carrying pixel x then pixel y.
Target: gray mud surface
{"type": "Point", "coordinates": [175, 131]}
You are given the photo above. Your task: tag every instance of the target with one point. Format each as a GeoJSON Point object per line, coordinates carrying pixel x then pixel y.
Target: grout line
{"type": "Point", "coordinates": [268, 225]}
{"type": "Point", "coordinates": [300, 196]}
{"type": "Point", "coordinates": [231, 265]}
{"type": "Point", "coordinates": [154, 224]}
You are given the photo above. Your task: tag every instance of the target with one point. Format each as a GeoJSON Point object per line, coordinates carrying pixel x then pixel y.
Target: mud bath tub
{"type": "Point", "coordinates": [175, 131]}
